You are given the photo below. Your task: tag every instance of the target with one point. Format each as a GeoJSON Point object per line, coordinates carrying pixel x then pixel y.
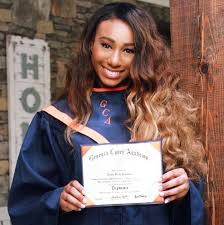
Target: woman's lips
{"type": "Point", "coordinates": [111, 74]}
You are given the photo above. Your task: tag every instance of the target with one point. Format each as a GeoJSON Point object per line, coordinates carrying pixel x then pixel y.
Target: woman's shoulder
{"type": "Point", "coordinates": [62, 106]}
{"type": "Point", "coordinates": [48, 117]}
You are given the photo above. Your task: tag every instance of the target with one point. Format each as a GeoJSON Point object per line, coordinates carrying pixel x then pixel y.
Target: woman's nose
{"type": "Point", "coordinates": [114, 59]}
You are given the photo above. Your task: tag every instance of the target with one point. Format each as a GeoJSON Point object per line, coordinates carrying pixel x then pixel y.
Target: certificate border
{"type": "Point", "coordinates": [120, 143]}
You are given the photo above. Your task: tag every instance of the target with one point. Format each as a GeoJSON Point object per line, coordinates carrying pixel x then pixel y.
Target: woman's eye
{"type": "Point", "coordinates": [105, 45]}
{"type": "Point", "coordinates": [129, 50]}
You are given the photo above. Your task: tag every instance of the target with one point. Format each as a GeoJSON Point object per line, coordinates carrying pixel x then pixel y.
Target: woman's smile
{"type": "Point", "coordinates": [111, 73]}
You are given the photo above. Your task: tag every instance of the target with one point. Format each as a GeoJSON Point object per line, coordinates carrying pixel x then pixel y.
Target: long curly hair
{"type": "Point", "coordinates": [157, 109]}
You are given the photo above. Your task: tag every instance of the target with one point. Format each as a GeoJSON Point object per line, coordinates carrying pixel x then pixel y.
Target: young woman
{"type": "Point", "coordinates": [121, 87]}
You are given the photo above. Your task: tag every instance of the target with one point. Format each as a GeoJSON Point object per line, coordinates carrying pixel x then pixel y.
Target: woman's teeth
{"type": "Point", "coordinates": [111, 73]}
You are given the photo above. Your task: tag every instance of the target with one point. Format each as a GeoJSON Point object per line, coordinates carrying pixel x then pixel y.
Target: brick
{"type": "Point", "coordinates": [28, 13]}
{"type": "Point", "coordinates": [4, 27]}
{"type": "Point", "coordinates": [85, 4]}
{"type": "Point", "coordinates": [6, 15]}
{"type": "Point", "coordinates": [75, 45]}
{"type": "Point", "coordinates": [4, 132]}
{"type": "Point", "coordinates": [65, 9]}
{"type": "Point", "coordinates": [62, 33]}
{"type": "Point", "coordinates": [61, 74]}
{"type": "Point", "coordinates": [4, 148]}
{"type": "Point", "coordinates": [65, 53]}
{"type": "Point", "coordinates": [2, 36]}
{"type": "Point", "coordinates": [40, 36]}
{"type": "Point", "coordinates": [3, 104]}
{"type": "Point", "coordinates": [3, 199]}
{"type": "Point", "coordinates": [80, 21]}
{"type": "Point", "coordinates": [81, 9]}
{"type": "Point", "coordinates": [5, 3]}
{"type": "Point", "coordinates": [45, 27]}
{"type": "Point", "coordinates": [2, 53]}
{"type": "Point", "coordinates": [57, 44]}
{"type": "Point", "coordinates": [4, 167]}
{"type": "Point", "coordinates": [2, 62]}
{"type": "Point", "coordinates": [3, 75]}
{"type": "Point", "coordinates": [3, 117]}
{"type": "Point", "coordinates": [3, 89]}
{"type": "Point", "coordinates": [4, 184]}
{"type": "Point", "coordinates": [62, 27]}
{"type": "Point", "coordinates": [2, 44]}
{"type": "Point", "coordinates": [53, 87]}
{"type": "Point", "coordinates": [76, 32]}
{"type": "Point", "coordinates": [22, 31]}
{"type": "Point", "coordinates": [81, 16]}
{"type": "Point", "coordinates": [62, 37]}
{"type": "Point", "coordinates": [61, 20]}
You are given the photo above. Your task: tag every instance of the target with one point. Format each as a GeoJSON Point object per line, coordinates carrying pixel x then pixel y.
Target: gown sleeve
{"type": "Point", "coordinates": [190, 210]}
{"type": "Point", "coordinates": [41, 172]}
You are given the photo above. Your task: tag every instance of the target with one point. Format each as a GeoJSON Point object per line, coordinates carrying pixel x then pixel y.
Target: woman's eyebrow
{"type": "Point", "coordinates": [112, 40]}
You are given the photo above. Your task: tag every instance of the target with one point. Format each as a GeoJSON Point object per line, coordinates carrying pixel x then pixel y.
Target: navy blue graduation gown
{"type": "Point", "coordinates": [47, 163]}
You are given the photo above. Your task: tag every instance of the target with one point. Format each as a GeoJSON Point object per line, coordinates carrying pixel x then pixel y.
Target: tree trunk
{"type": "Point", "coordinates": [197, 40]}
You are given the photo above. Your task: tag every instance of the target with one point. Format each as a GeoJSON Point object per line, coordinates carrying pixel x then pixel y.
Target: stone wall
{"type": "Point", "coordinates": [60, 25]}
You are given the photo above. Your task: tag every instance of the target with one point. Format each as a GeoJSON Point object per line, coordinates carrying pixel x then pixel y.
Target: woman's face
{"type": "Point", "coordinates": [113, 52]}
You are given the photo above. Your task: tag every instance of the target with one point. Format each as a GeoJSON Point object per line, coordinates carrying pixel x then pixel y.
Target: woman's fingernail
{"type": "Point", "coordinates": [166, 201]}
{"type": "Point", "coordinates": [83, 192]}
{"type": "Point", "coordinates": [83, 206]}
{"type": "Point", "coordinates": [161, 194]}
{"type": "Point", "coordinates": [84, 200]}
{"type": "Point", "coordinates": [160, 188]}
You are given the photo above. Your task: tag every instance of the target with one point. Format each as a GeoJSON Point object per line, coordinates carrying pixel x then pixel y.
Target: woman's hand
{"type": "Point", "coordinates": [72, 197]}
{"type": "Point", "coordinates": [174, 185]}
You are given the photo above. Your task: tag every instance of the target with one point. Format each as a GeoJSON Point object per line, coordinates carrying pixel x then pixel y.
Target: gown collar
{"type": "Point", "coordinates": [108, 89]}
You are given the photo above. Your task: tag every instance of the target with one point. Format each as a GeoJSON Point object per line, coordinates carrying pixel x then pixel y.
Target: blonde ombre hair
{"type": "Point", "coordinates": [171, 115]}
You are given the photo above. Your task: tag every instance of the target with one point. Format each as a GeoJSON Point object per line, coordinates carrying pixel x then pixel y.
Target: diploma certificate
{"type": "Point", "coordinates": [118, 174]}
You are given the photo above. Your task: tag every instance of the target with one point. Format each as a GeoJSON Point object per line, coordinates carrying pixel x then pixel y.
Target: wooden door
{"type": "Point", "coordinates": [197, 33]}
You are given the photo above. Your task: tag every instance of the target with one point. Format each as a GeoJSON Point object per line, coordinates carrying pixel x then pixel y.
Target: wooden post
{"type": "Point", "coordinates": [197, 34]}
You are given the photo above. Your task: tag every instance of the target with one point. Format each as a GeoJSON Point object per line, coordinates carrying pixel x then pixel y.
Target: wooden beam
{"type": "Point", "coordinates": [164, 3]}
{"type": "Point", "coordinates": [197, 40]}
